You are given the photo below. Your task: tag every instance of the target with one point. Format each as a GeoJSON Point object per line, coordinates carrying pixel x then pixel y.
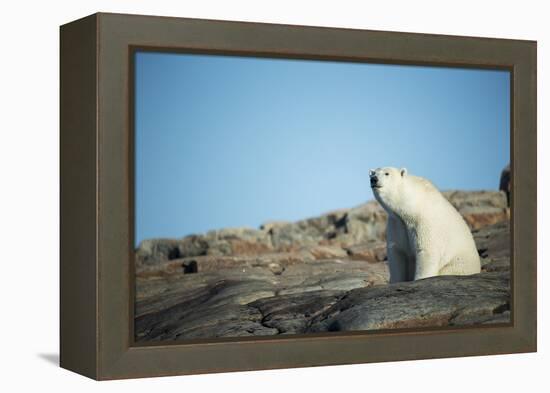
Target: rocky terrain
{"type": "Point", "coordinates": [327, 273]}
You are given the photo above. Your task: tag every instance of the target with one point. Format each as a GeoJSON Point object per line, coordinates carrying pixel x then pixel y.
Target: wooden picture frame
{"type": "Point", "coordinates": [97, 199]}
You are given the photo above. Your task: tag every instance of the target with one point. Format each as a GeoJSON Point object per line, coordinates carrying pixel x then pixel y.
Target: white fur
{"type": "Point", "coordinates": [426, 236]}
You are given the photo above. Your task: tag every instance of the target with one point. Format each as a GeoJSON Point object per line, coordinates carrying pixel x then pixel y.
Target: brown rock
{"type": "Point", "coordinates": [479, 208]}
{"type": "Point", "coordinates": [269, 225]}
{"type": "Point", "coordinates": [326, 252]}
{"type": "Point", "coordinates": [480, 220]}
{"type": "Point", "coordinates": [175, 306]}
{"type": "Point", "coordinates": [374, 251]}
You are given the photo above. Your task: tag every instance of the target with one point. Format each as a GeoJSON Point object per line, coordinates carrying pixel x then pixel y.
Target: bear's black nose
{"type": "Point", "coordinates": [373, 180]}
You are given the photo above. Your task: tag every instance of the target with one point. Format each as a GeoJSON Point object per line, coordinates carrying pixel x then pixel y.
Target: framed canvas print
{"type": "Point", "coordinates": [242, 196]}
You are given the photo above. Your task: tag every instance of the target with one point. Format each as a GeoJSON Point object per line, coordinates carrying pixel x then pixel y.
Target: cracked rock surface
{"type": "Point", "coordinates": [431, 302]}
{"type": "Point", "coordinates": [322, 274]}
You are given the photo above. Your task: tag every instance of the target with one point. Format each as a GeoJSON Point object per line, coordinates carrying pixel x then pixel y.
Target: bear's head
{"type": "Point", "coordinates": [387, 185]}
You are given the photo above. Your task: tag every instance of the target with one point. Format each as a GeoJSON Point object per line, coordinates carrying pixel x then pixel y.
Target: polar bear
{"type": "Point", "coordinates": [426, 236]}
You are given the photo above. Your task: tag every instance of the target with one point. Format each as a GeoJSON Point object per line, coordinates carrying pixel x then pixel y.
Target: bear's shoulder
{"type": "Point", "coordinates": [423, 184]}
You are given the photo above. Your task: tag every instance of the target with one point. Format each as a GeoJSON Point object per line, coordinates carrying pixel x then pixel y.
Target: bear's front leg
{"type": "Point", "coordinates": [427, 265]}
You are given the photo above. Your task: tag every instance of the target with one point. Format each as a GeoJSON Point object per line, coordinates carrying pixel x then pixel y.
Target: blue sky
{"type": "Point", "coordinates": [224, 141]}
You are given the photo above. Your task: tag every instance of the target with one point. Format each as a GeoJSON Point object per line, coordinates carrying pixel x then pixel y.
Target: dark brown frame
{"type": "Point", "coordinates": [97, 197]}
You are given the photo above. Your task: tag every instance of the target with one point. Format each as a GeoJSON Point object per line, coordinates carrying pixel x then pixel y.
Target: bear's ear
{"type": "Point", "coordinates": [403, 172]}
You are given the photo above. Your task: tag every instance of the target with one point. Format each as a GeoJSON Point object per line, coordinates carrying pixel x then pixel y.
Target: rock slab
{"type": "Point", "coordinates": [315, 287]}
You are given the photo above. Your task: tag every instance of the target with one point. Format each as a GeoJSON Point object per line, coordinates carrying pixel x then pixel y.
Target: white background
{"type": "Point", "coordinates": [29, 185]}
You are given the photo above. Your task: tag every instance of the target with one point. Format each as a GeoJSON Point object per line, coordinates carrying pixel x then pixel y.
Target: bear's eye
{"type": "Point", "coordinates": [387, 174]}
